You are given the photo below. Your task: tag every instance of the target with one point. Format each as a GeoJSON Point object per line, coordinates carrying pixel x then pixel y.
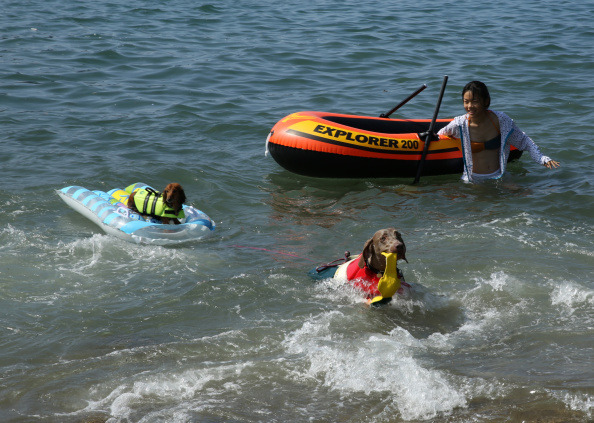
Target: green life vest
{"type": "Point", "coordinates": [148, 201]}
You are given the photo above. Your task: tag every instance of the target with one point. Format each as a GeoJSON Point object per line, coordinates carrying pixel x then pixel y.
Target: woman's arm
{"type": "Point", "coordinates": [523, 142]}
{"type": "Point", "coordinates": [452, 129]}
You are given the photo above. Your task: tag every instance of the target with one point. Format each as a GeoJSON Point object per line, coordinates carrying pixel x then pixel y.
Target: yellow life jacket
{"type": "Point", "coordinates": [149, 201]}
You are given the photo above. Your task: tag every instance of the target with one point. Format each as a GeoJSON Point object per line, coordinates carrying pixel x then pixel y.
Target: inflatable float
{"type": "Point", "coordinates": [322, 144]}
{"type": "Point", "coordinates": [109, 211]}
{"type": "Point", "coordinates": [377, 290]}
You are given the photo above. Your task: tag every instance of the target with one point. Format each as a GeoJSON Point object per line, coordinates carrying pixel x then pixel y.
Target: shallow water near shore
{"type": "Point", "coordinates": [498, 326]}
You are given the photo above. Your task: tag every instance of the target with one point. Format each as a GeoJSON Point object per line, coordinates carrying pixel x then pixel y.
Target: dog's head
{"type": "Point", "coordinates": [387, 240]}
{"type": "Point", "coordinates": [174, 196]}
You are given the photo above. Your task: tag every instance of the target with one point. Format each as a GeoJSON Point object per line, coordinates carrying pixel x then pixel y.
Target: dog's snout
{"type": "Point", "coordinates": [397, 247]}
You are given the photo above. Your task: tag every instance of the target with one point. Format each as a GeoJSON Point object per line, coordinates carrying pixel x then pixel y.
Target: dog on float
{"type": "Point", "coordinates": [167, 206]}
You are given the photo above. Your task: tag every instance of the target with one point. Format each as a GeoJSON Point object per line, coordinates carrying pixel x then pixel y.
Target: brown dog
{"type": "Point", "coordinates": [386, 240]}
{"type": "Point", "coordinates": [173, 198]}
{"type": "Point", "coordinates": [366, 270]}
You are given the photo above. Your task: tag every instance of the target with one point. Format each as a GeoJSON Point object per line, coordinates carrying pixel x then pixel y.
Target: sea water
{"type": "Point", "coordinates": [101, 94]}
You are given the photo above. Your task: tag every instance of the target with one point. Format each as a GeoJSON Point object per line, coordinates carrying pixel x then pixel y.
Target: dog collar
{"type": "Point", "coordinates": [373, 269]}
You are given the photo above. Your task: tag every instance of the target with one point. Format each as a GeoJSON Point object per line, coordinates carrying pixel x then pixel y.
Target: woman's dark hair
{"type": "Point", "coordinates": [478, 89]}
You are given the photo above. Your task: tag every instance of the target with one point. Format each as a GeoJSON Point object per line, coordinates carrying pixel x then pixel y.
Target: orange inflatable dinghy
{"type": "Point", "coordinates": [337, 145]}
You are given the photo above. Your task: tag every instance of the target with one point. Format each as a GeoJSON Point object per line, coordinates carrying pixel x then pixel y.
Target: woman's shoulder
{"type": "Point", "coordinates": [458, 120]}
{"type": "Point", "coordinates": [506, 123]}
{"type": "Point", "coordinates": [500, 115]}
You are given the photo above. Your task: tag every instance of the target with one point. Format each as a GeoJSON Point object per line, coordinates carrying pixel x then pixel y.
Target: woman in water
{"type": "Point", "coordinates": [486, 136]}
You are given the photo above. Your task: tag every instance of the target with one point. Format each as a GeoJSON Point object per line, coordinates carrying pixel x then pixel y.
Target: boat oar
{"type": "Point", "coordinates": [430, 131]}
{"type": "Point", "coordinates": [403, 102]}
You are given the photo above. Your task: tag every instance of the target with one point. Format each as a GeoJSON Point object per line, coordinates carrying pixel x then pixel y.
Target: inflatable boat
{"type": "Point", "coordinates": [109, 211]}
{"type": "Point", "coordinates": [337, 145]}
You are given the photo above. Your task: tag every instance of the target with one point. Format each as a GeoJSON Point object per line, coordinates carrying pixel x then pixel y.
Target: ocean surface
{"type": "Point", "coordinates": [499, 324]}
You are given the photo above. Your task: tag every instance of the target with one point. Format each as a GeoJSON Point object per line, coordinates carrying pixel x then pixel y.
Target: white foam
{"type": "Point", "coordinates": [498, 281]}
{"type": "Point", "coordinates": [336, 289]}
{"type": "Point", "coordinates": [375, 364]}
{"type": "Point", "coordinates": [489, 308]}
{"type": "Point", "coordinates": [181, 389]}
{"type": "Point", "coordinates": [123, 405]}
{"type": "Point", "coordinates": [91, 255]}
{"type": "Point", "coordinates": [571, 295]}
{"type": "Point", "coordinates": [11, 237]}
{"type": "Point", "coordinates": [580, 402]}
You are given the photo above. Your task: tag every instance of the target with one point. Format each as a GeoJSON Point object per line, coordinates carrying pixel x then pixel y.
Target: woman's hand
{"type": "Point", "coordinates": [552, 164]}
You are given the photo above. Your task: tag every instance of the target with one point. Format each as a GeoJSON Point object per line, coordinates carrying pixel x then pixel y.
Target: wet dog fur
{"type": "Point", "coordinates": [387, 240]}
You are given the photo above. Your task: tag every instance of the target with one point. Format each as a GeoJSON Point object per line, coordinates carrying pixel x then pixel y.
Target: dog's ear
{"type": "Point", "coordinates": [165, 193]}
{"type": "Point", "coordinates": [403, 253]}
{"type": "Point", "coordinates": [367, 252]}
{"type": "Point", "coordinates": [399, 238]}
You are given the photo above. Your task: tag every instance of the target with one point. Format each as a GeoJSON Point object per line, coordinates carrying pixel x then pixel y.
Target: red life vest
{"type": "Point", "coordinates": [364, 279]}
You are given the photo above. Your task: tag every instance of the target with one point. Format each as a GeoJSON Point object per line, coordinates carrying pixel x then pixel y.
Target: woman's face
{"type": "Point", "coordinates": [473, 104]}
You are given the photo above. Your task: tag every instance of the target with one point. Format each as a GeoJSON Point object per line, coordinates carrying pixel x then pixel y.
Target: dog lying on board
{"type": "Point", "coordinates": [166, 206]}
